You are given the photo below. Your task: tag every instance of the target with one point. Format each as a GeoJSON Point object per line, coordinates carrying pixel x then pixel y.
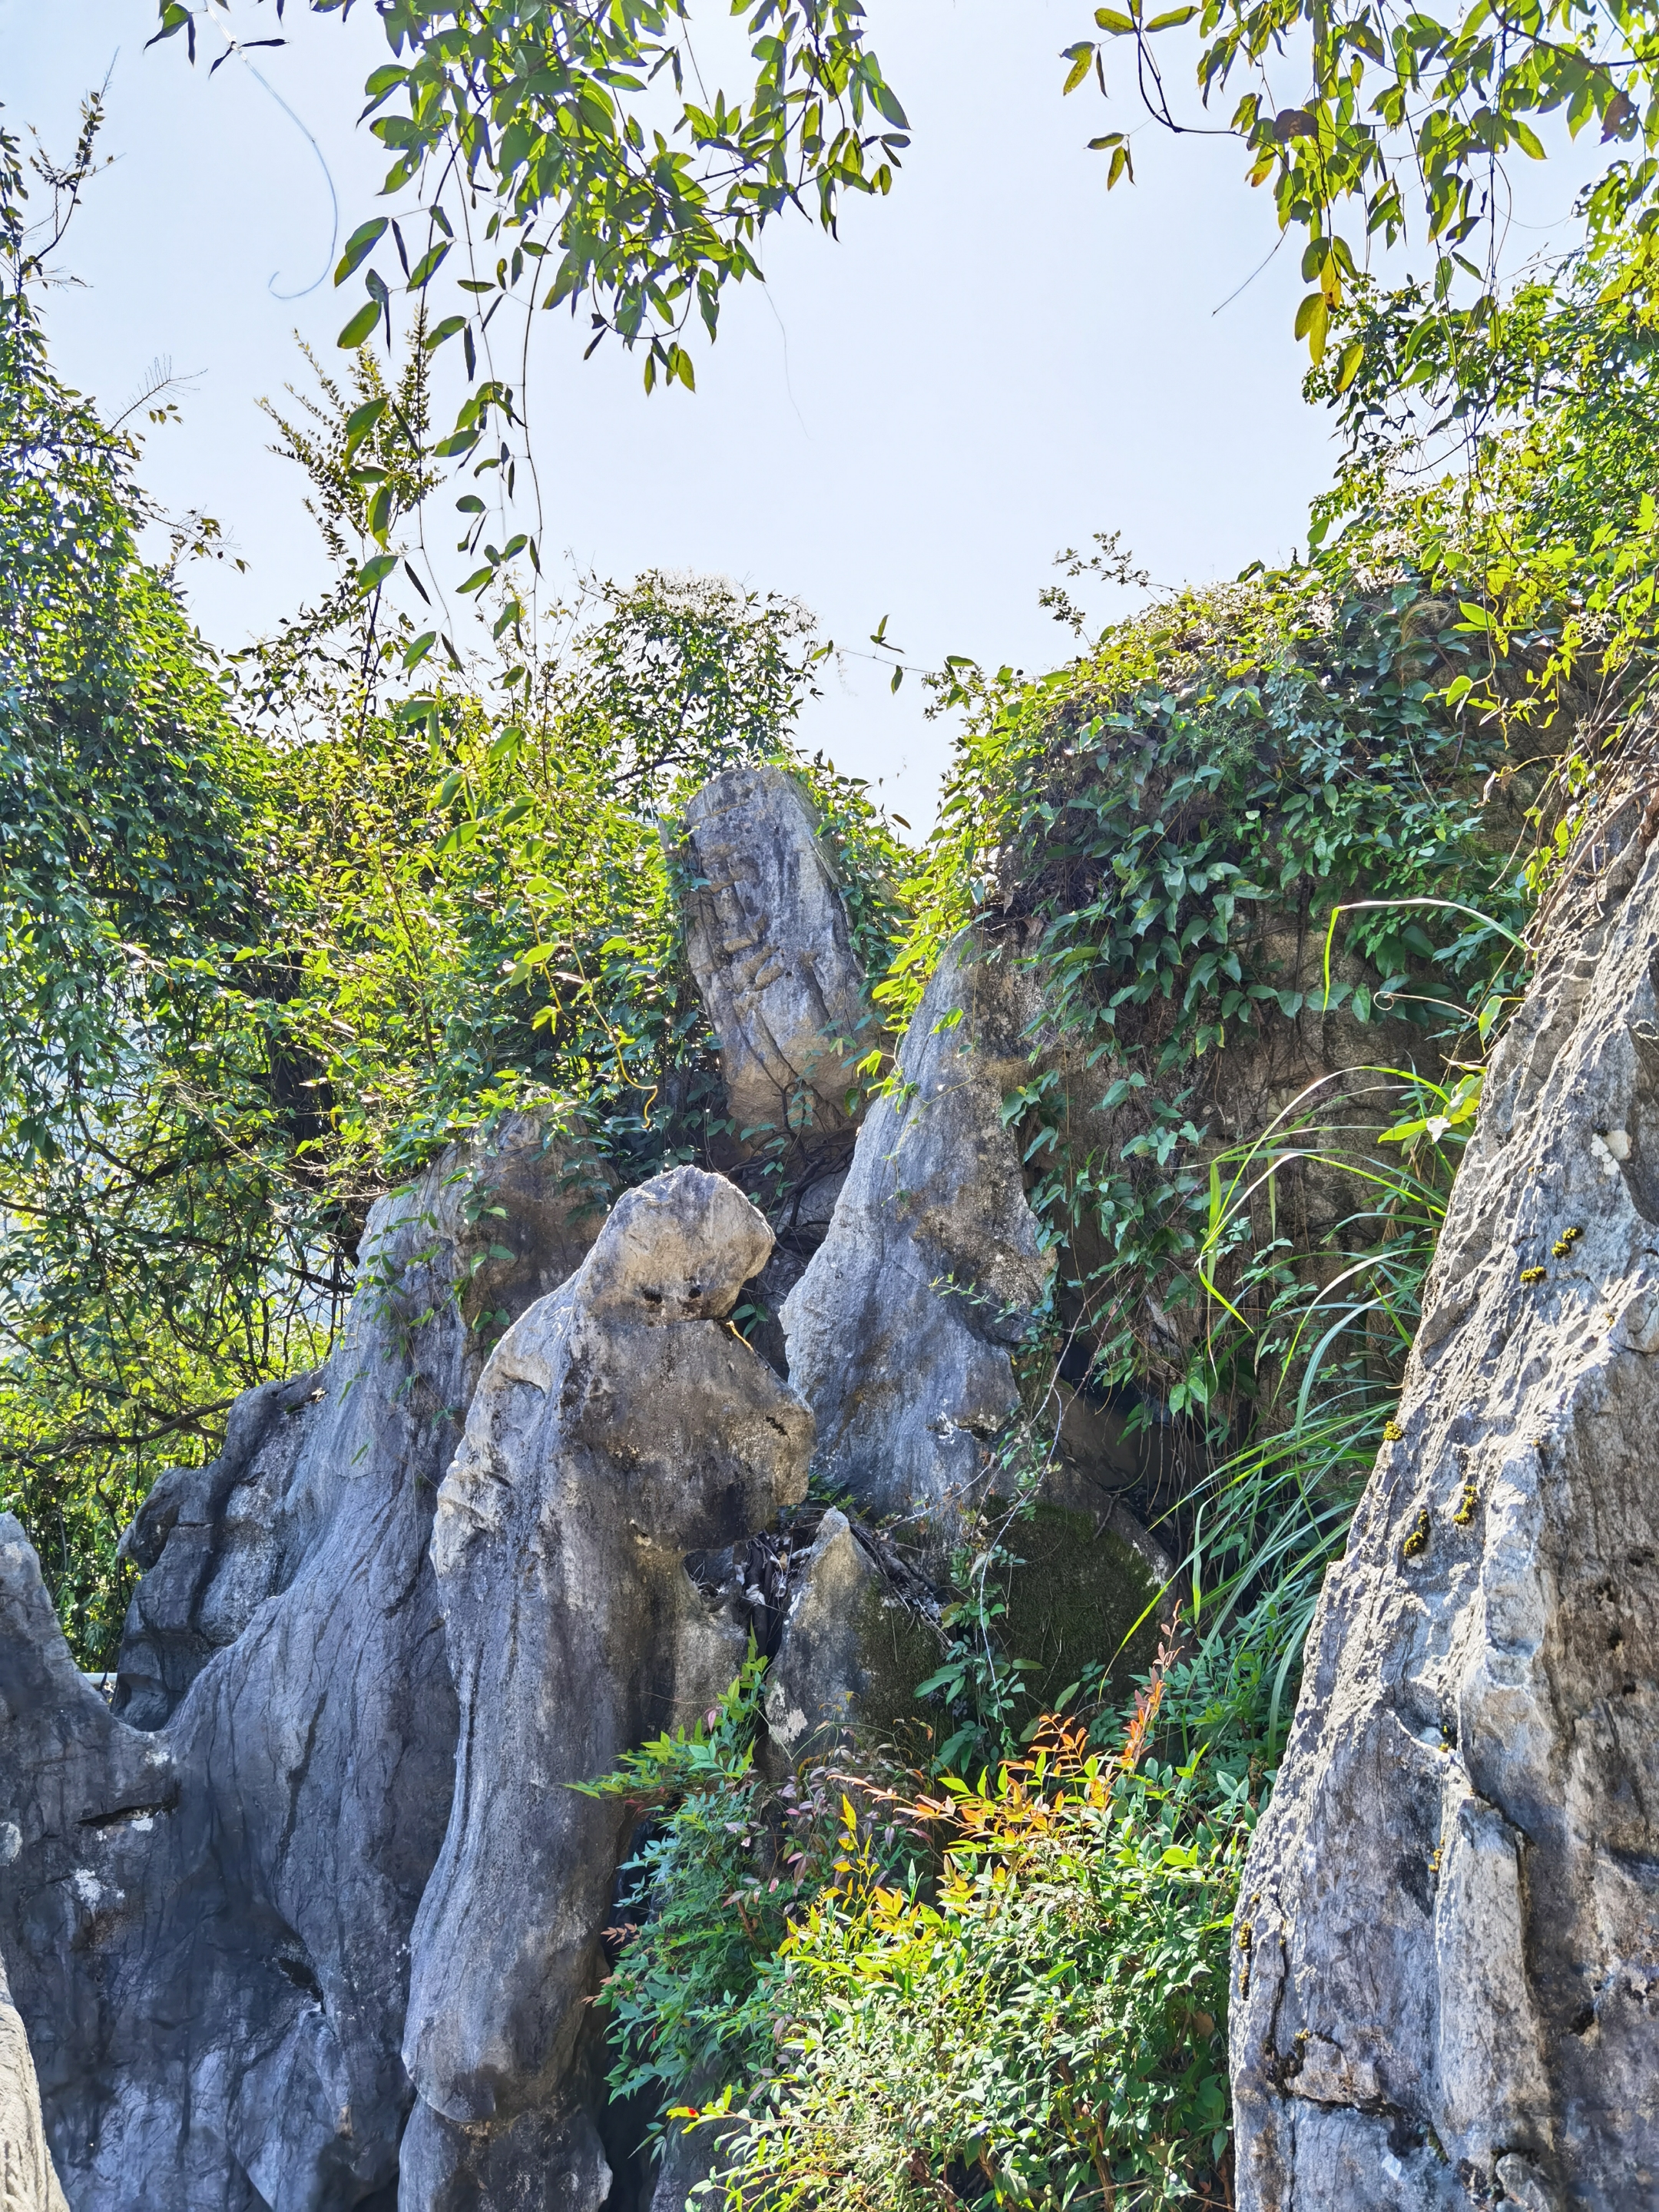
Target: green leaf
{"type": "Point", "coordinates": [887, 103]}
{"type": "Point", "coordinates": [357, 330]}
{"type": "Point", "coordinates": [1312, 320]}
{"type": "Point", "coordinates": [427, 267]}
{"type": "Point", "coordinates": [1080, 56]}
{"type": "Point", "coordinates": [174, 18]}
{"type": "Point", "coordinates": [374, 574]}
{"type": "Point", "coordinates": [358, 247]}
{"type": "Point", "coordinates": [360, 420]}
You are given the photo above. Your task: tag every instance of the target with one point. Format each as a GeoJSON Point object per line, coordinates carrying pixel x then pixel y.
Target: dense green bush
{"type": "Point", "coordinates": [1008, 1995]}
{"type": "Point", "coordinates": [689, 1997]}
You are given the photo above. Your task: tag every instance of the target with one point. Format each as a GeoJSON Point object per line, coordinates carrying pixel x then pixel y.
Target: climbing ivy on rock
{"type": "Point", "coordinates": [1164, 829]}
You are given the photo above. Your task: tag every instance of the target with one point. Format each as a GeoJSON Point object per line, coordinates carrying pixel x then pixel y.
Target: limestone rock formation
{"type": "Point", "coordinates": [29, 2181]}
{"type": "Point", "coordinates": [1446, 1957]}
{"type": "Point", "coordinates": [207, 1921]}
{"type": "Point", "coordinates": [899, 1332]}
{"type": "Point", "coordinates": [212, 1542]}
{"type": "Point", "coordinates": [767, 937]}
{"type": "Point", "coordinates": [689, 2158]}
{"type": "Point", "coordinates": [853, 1645]}
{"type": "Point", "coordinates": [618, 1426]}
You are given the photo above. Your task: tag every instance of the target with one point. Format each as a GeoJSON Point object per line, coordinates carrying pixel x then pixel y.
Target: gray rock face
{"type": "Point", "coordinates": [815, 1686]}
{"type": "Point", "coordinates": [618, 1426]}
{"type": "Point", "coordinates": [1446, 1959]}
{"type": "Point", "coordinates": [212, 1542]}
{"type": "Point", "coordinates": [768, 943]}
{"type": "Point", "coordinates": [207, 1921]}
{"type": "Point", "coordinates": [28, 2182]}
{"type": "Point", "coordinates": [851, 1650]}
{"type": "Point", "coordinates": [899, 1332]}
{"type": "Point", "coordinates": [688, 2159]}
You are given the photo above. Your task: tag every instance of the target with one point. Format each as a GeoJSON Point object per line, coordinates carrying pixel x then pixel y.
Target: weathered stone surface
{"type": "Point", "coordinates": [207, 1923]}
{"type": "Point", "coordinates": [900, 1331]}
{"type": "Point", "coordinates": [852, 1647]}
{"type": "Point", "coordinates": [1446, 1962]}
{"type": "Point", "coordinates": [618, 1426]}
{"type": "Point", "coordinates": [535, 2162]}
{"type": "Point", "coordinates": [767, 937]}
{"type": "Point", "coordinates": [29, 2181]}
{"type": "Point", "coordinates": [212, 1542]}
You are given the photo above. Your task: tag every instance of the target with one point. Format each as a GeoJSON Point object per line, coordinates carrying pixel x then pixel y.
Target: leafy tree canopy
{"type": "Point", "coordinates": [1373, 121]}
{"type": "Point", "coordinates": [558, 153]}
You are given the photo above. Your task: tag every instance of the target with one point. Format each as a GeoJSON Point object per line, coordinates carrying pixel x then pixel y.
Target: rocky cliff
{"type": "Point", "coordinates": [310, 1915]}
{"type": "Point", "coordinates": [207, 1908]}
{"type": "Point", "coordinates": [1446, 1958]}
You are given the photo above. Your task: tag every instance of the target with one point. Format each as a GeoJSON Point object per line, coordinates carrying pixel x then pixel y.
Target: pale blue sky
{"type": "Point", "coordinates": [991, 364]}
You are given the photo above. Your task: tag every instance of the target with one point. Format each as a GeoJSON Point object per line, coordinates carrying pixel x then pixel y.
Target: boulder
{"type": "Point", "coordinates": [207, 1919]}
{"type": "Point", "coordinates": [1446, 1953]}
{"type": "Point", "coordinates": [619, 1425]}
{"type": "Point", "coordinates": [901, 1331]}
{"type": "Point", "coordinates": [854, 1645]}
{"type": "Point", "coordinates": [28, 2182]}
{"type": "Point", "coordinates": [768, 942]}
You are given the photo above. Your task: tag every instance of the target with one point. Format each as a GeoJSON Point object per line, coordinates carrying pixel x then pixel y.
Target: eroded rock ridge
{"type": "Point", "coordinates": [1446, 1958]}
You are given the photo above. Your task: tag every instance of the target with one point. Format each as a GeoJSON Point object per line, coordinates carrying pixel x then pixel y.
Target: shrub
{"type": "Point", "coordinates": [724, 1862]}
{"type": "Point", "coordinates": [1028, 2014]}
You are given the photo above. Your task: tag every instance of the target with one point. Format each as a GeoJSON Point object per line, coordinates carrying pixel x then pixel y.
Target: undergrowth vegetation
{"type": "Point", "coordinates": [1010, 1993]}
{"type": "Point", "coordinates": [278, 929]}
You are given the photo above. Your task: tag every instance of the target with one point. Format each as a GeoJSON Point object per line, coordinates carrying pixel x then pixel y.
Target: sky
{"type": "Point", "coordinates": [987, 366]}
